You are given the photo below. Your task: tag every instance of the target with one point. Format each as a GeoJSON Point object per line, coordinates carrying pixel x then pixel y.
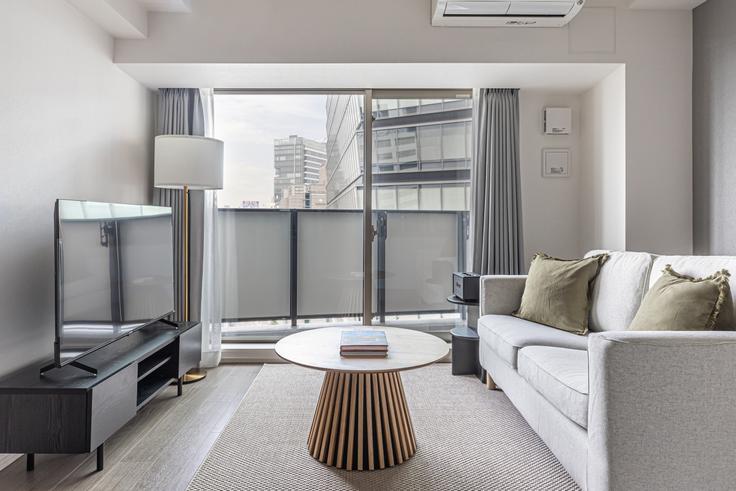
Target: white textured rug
{"type": "Point", "coordinates": [468, 438]}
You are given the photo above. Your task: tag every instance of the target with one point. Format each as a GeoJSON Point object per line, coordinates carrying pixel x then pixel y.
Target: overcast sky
{"type": "Point", "coordinates": [248, 124]}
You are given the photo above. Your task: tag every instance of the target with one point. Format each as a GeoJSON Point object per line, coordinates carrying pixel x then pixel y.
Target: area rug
{"type": "Point", "coordinates": [468, 438]}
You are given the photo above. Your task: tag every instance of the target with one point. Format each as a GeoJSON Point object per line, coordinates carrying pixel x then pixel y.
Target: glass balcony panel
{"type": "Point", "coordinates": [421, 254]}
{"type": "Point", "coordinates": [254, 263]}
{"type": "Point", "coordinates": [330, 263]}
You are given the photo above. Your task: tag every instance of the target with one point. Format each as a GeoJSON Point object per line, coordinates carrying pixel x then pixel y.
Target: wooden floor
{"type": "Point", "coordinates": [160, 449]}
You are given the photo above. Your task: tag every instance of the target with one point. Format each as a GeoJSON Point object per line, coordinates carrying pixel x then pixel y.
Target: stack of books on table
{"type": "Point", "coordinates": [363, 343]}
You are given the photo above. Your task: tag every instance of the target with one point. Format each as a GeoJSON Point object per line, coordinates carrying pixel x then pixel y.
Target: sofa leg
{"type": "Point", "coordinates": [490, 384]}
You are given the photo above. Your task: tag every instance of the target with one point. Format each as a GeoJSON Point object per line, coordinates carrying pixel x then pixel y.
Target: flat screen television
{"type": "Point", "coordinates": [114, 273]}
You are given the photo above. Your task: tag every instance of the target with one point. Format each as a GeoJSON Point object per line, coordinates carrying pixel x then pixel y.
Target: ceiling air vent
{"type": "Point", "coordinates": [504, 13]}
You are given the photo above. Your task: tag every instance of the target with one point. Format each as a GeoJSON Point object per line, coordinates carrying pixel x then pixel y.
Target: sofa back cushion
{"type": "Point", "coordinates": [701, 267]}
{"type": "Point", "coordinates": [679, 302]}
{"type": "Point", "coordinates": [557, 292]}
{"type": "Point", "coordinates": [619, 289]}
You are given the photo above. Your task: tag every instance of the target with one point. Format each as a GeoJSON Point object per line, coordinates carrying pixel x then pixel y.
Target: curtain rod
{"type": "Point", "coordinates": [378, 93]}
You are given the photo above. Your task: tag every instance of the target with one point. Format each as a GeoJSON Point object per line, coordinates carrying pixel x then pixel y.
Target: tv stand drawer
{"type": "Point", "coordinates": [43, 423]}
{"type": "Point", "coordinates": [113, 404]}
{"type": "Point", "coordinates": [190, 349]}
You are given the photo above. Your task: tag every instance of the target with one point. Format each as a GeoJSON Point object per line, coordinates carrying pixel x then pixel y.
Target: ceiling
{"type": "Point", "coordinates": [128, 19]}
{"type": "Point", "coordinates": [665, 4]}
{"type": "Point", "coordinates": [553, 77]}
{"type": "Point", "coordinates": [167, 5]}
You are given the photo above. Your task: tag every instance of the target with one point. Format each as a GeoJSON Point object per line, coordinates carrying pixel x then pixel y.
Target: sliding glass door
{"type": "Point", "coordinates": [289, 257]}
{"type": "Point", "coordinates": [315, 194]}
{"type": "Point", "coordinates": [420, 188]}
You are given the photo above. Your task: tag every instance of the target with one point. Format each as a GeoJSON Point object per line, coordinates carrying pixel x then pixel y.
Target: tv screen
{"type": "Point", "coordinates": [114, 272]}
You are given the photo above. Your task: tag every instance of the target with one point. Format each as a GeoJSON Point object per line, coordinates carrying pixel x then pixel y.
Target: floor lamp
{"type": "Point", "coordinates": [188, 162]}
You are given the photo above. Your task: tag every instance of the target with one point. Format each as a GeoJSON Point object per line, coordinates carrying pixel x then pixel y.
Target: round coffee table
{"type": "Point", "coordinates": [362, 421]}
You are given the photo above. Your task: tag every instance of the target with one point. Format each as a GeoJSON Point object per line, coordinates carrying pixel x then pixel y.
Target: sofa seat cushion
{"type": "Point", "coordinates": [560, 375]}
{"type": "Point", "coordinates": [506, 335]}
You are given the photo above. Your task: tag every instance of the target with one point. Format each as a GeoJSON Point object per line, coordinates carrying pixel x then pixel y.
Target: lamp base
{"type": "Point", "coordinates": [194, 375]}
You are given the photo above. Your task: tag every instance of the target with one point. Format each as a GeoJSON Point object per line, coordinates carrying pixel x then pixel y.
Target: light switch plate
{"type": "Point", "coordinates": [555, 162]}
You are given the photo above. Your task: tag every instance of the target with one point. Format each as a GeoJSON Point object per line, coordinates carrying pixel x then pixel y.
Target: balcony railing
{"type": "Point", "coordinates": [307, 264]}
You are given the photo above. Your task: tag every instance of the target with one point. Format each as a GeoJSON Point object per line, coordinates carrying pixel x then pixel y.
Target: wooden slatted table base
{"type": "Point", "coordinates": [362, 422]}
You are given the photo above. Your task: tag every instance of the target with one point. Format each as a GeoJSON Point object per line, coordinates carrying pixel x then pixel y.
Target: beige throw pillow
{"type": "Point", "coordinates": [678, 302]}
{"type": "Point", "coordinates": [557, 292]}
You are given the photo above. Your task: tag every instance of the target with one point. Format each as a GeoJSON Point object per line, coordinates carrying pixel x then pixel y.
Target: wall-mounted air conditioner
{"type": "Point", "coordinates": [504, 13]}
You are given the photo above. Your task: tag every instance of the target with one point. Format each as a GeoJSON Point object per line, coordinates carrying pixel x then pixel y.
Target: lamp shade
{"type": "Point", "coordinates": [184, 160]}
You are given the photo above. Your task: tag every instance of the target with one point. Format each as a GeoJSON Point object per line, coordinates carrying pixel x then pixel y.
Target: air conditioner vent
{"type": "Point", "coordinates": [476, 8]}
{"type": "Point", "coordinates": [516, 13]}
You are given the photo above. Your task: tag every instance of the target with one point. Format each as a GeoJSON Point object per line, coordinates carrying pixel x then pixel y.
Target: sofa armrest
{"type": "Point", "coordinates": [500, 294]}
{"type": "Point", "coordinates": [662, 410]}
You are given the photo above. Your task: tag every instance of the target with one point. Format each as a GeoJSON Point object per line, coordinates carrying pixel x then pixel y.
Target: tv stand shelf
{"type": "Point", "coordinates": [67, 410]}
{"type": "Point", "coordinates": [150, 365]}
{"type": "Point", "coordinates": [150, 387]}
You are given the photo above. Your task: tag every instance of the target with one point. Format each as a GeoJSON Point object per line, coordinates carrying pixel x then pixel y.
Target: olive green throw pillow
{"type": "Point", "coordinates": [557, 292]}
{"type": "Point", "coordinates": [681, 303]}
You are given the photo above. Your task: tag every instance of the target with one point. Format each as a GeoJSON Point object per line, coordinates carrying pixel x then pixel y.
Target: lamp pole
{"type": "Point", "coordinates": [187, 162]}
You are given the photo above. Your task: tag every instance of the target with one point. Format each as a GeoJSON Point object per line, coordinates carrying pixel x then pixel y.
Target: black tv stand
{"type": "Point", "coordinates": [170, 323]}
{"type": "Point", "coordinates": [100, 451]}
{"type": "Point", "coordinates": [67, 411]}
{"type": "Point", "coordinates": [75, 363]}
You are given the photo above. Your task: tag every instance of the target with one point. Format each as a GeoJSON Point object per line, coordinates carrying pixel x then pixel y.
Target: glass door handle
{"type": "Point", "coordinates": [372, 233]}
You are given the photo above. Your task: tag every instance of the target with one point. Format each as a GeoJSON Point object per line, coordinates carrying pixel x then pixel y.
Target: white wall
{"type": "Point", "coordinates": [714, 129]}
{"type": "Point", "coordinates": [550, 206]}
{"type": "Point", "coordinates": [603, 187]}
{"type": "Point", "coordinates": [73, 126]}
{"type": "Point", "coordinates": [656, 47]}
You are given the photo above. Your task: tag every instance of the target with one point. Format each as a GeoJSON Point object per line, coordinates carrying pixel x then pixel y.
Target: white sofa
{"type": "Point", "coordinates": [621, 410]}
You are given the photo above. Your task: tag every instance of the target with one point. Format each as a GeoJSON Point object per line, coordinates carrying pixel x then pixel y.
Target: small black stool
{"type": "Point", "coordinates": [465, 352]}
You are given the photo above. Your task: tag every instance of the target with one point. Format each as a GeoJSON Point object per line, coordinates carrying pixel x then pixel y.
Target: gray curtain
{"type": "Point", "coordinates": [497, 233]}
{"type": "Point", "coordinates": [180, 112]}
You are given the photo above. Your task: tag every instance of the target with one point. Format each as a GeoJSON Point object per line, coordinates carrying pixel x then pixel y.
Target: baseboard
{"type": "Point", "coordinates": [250, 353]}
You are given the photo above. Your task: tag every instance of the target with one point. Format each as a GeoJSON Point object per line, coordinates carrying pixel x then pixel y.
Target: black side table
{"type": "Point", "coordinates": [471, 307]}
{"type": "Point", "coordinates": [465, 352]}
